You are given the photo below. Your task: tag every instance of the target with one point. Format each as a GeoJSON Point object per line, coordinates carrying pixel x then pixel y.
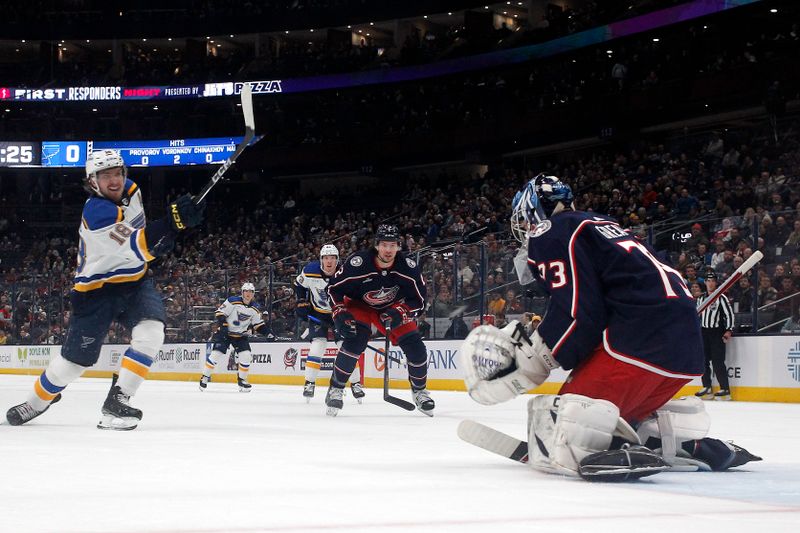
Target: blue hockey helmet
{"type": "Point", "coordinates": [537, 202]}
{"type": "Point", "coordinates": [388, 232]}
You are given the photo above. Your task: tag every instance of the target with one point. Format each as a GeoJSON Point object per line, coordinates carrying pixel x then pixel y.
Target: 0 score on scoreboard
{"type": "Point", "coordinates": [173, 152]}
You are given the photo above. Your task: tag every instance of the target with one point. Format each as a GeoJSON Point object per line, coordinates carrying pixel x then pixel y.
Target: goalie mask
{"type": "Point", "coordinates": [99, 161]}
{"type": "Point", "coordinates": [540, 199]}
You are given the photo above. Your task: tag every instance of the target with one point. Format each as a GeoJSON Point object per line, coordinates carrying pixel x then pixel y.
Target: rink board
{"type": "Point", "coordinates": [759, 368]}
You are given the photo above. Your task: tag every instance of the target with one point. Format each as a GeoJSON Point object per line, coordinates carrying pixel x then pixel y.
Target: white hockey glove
{"type": "Point", "coordinates": [500, 364]}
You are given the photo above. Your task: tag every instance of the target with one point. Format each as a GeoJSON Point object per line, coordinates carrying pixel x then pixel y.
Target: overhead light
{"type": "Point", "coordinates": [176, 49]}
{"type": "Point", "coordinates": [485, 7]}
{"type": "Point", "coordinates": [505, 12]}
{"type": "Point", "coordinates": [368, 35]}
{"type": "Point", "coordinates": [705, 27]}
{"type": "Point", "coordinates": [218, 45]}
{"type": "Point", "coordinates": [212, 41]}
{"type": "Point", "coordinates": [143, 40]}
{"type": "Point", "coordinates": [359, 31]}
{"type": "Point", "coordinates": [609, 51]}
{"type": "Point", "coordinates": [287, 32]}
{"type": "Point", "coordinates": [231, 36]}
{"type": "Point", "coordinates": [656, 39]}
{"type": "Point", "coordinates": [371, 23]}
{"type": "Point", "coordinates": [94, 110]}
{"type": "Point", "coordinates": [8, 110]}
{"type": "Point", "coordinates": [311, 30]}
{"type": "Point", "coordinates": [449, 13]}
{"type": "Point", "coordinates": [349, 27]}
{"type": "Point", "coordinates": [207, 37]}
{"type": "Point", "coordinates": [155, 108]}
{"type": "Point", "coordinates": [23, 40]}
{"type": "Point", "coordinates": [87, 40]}
{"type": "Point", "coordinates": [17, 49]}
{"type": "Point", "coordinates": [62, 41]}
{"type": "Point", "coordinates": [155, 49]}
{"type": "Point", "coordinates": [773, 10]}
{"type": "Point", "coordinates": [169, 38]}
{"type": "Point", "coordinates": [109, 50]}
{"type": "Point", "coordinates": [425, 16]}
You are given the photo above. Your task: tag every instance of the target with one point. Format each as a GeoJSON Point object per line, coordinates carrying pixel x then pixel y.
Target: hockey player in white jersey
{"type": "Point", "coordinates": [111, 283]}
{"type": "Point", "coordinates": [236, 316]}
{"type": "Point", "coordinates": [313, 304]}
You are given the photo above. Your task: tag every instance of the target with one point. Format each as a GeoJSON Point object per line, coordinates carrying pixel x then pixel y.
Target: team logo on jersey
{"type": "Point", "coordinates": [382, 296]}
{"type": "Point", "coordinates": [243, 317]}
{"type": "Point", "coordinates": [411, 263]}
{"type": "Point", "coordinates": [290, 358]}
{"type": "Point", "coordinates": [301, 279]}
{"type": "Point", "coordinates": [356, 261]}
{"type": "Point", "coordinates": [541, 228]}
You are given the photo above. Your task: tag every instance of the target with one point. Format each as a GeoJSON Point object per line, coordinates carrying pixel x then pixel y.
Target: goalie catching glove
{"type": "Point", "coordinates": [500, 364]}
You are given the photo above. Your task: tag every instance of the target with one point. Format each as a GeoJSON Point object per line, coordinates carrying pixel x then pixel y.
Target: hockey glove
{"type": "Point", "coordinates": [500, 364]}
{"type": "Point", "coordinates": [397, 315]}
{"type": "Point", "coordinates": [301, 311]}
{"type": "Point", "coordinates": [345, 323]}
{"type": "Point", "coordinates": [185, 214]}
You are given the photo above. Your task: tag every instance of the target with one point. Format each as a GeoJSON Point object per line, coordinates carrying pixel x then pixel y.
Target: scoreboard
{"type": "Point", "coordinates": [164, 153]}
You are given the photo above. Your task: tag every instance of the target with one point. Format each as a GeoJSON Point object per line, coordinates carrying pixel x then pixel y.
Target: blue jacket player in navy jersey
{"type": "Point", "coordinates": [375, 287]}
{"type": "Point", "coordinates": [111, 283]}
{"type": "Point", "coordinates": [624, 324]}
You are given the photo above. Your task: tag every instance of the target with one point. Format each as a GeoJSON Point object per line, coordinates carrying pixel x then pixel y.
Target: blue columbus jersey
{"type": "Point", "coordinates": [361, 279]}
{"type": "Point", "coordinates": [606, 287]}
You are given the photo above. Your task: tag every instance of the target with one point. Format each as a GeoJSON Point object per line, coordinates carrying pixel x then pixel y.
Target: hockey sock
{"type": "Point", "coordinates": [133, 371]}
{"type": "Point", "coordinates": [54, 379]}
{"type": "Point", "coordinates": [348, 355]}
{"type": "Point", "coordinates": [245, 358]}
{"type": "Point", "coordinates": [211, 362]}
{"type": "Point", "coordinates": [314, 360]}
{"type": "Point", "coordinates": [355, 377]}
{"type": "Point", "coordinates": [417, 357]}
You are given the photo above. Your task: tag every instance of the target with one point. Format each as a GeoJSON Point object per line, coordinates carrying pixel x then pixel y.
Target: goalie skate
{"type": "Point", "coordinates": [625, 464]}
{"type": "Point", "coordinates": [117, 413]}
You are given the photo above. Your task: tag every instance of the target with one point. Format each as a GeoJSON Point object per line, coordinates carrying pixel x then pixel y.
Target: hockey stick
{"type": "Point", "coordinates": [408, 406]}
{"type": "Point", "coordinates": [493, 441]}
{"type": "Point", "coordinates": [249, 133]}
{"type": "Point", "coordinates": [733, 278]}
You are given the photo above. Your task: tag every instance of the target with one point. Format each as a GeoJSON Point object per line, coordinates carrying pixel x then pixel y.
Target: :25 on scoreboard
{"type": "Point", "coordinates": [19, 154]}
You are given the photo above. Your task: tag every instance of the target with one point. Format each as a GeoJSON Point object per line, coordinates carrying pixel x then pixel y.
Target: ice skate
{"type": "Point", "coordinates": [117, 412]}
{"type": "Point", "coordinates": [24, 412]}
{"type": "Point", "coordinates": [244, 386]}
{"type": "Point", "coordinates": [705, 393]}
{"type": "Point", "coordinates": [308, 390]}
{"type": "Point", "coordinates": [424, 402]}
{"type": "Point", "coordinates": [334, 400]}
{"type": "Point", "coordinates": [358, 391]}
{"type": "Point", "coordinates": [720, 455]}
{"type": "Point", "coordinates": [723, 395]}
{"type": "Point", "coordinates": [204, 382]}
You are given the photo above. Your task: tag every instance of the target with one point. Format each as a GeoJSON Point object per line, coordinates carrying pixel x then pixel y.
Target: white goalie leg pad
{"type": "Point", "coordinates": [147, 337]}
{"type": "Point", "coordinates": [676, 422]}
{"type": "Point", "coordinates": [582, 426]}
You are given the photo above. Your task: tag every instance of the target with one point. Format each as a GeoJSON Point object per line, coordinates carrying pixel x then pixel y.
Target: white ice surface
{"type": "Point", "coordinates": [267, 461]}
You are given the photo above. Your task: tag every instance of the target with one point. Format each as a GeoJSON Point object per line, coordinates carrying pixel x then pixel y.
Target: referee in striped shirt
{"type": "Point", "coordinates": [717, 328]}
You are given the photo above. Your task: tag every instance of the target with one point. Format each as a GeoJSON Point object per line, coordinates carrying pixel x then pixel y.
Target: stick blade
{"type": "Point", "coordinates": [247, 107]}
{"type": "Point", "coordinates": [493, 441]}
{"type": "Point", "coordinates": [408, 406]}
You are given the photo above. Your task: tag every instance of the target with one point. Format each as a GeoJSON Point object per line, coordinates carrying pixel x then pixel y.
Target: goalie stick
{"type": "Point", "coordinates": [493, 441]}
{"type": "Point", "coordinates": [249, 134]}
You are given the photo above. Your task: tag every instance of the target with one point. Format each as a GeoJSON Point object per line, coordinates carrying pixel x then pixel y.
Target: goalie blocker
{"type": "Point", "coordinates": [574, 434]}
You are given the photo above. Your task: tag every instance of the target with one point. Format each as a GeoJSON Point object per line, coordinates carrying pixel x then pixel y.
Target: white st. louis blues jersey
{"type": "Point", "coordinates": [315, 282]}
{"type": "Point", "coordinates": [112, 245]}
{"type": "Point", "coordinates": [239, 316]}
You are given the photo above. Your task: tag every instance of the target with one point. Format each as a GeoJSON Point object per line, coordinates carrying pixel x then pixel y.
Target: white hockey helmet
{"type": "Point", "coordinates": [329, 249]}
{"type": "Point", "coordinates": [102, 160]}
{"type": "Point", "coordinates": [248, 287]}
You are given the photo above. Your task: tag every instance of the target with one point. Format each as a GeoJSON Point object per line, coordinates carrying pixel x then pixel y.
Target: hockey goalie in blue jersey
{"type": "Point", "coordinates": [111, 283]}
{"type": "Point", "coordinates": [623, 323]}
